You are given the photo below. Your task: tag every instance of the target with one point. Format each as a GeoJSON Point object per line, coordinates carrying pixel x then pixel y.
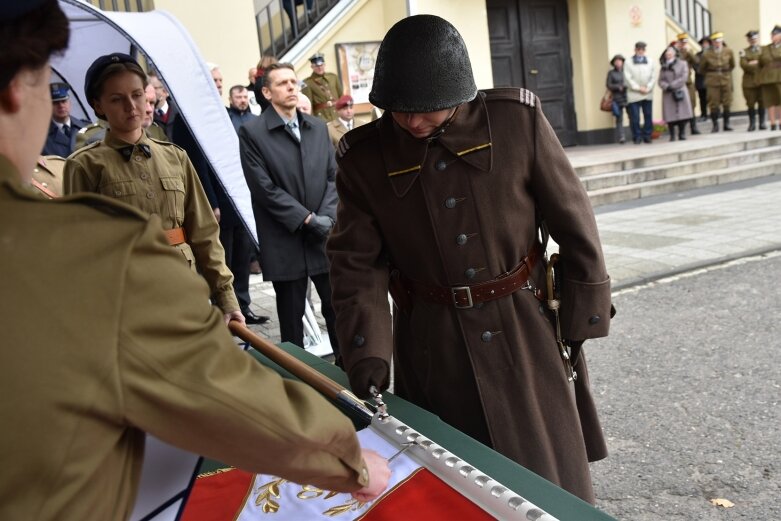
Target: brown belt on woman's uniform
{"type": "Point", "coordinates": [175, 236]}
{"type": "Point", "coordinates": [465, 297]}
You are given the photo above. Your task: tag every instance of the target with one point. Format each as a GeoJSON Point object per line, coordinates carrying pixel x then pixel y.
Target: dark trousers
{"type": "Point", "coordinates": [238, 250]}
{"type": "Point", "coordinates": [290, 308]}
{"type": "Point", "coordinates": [703, 93]}
{"type": "Point", "coordinates": [289, 8]}
{"type": "Point", "coordinates": [638, 132]}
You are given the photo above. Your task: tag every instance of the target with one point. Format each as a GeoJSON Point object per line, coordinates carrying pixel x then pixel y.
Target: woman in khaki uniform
{"type": "Point", "coordinates": [154, 176]}
{"type": "Point", "coordinates": [770, 78]}
{"type": "Point", "coordinates": [128, 342]}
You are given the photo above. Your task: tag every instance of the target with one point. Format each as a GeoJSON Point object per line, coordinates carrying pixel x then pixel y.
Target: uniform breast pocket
{"type": "Point", "coordinates": [173, 191]}
{"type": "Point", "coordinates": [118, 190]}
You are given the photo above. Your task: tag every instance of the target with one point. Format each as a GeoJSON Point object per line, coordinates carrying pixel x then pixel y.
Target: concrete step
{"type": "Point", "coordinates": [702, 163]}
{"type": "Point", "coordinates": [679, 183]}
{"type": "Point", "coordinates": [643, 156]}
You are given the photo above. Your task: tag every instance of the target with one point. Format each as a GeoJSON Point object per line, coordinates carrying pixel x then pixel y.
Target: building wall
{"type": "Point", "coordinates": [224, 32]}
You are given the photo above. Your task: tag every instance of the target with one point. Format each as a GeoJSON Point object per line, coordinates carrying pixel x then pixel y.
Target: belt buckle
{"type": "Point", "coordinates": [469, 302]}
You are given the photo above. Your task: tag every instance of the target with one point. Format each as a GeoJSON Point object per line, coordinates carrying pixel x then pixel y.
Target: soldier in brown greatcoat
{"type": "Point", "coordinates": [770, 78]}
{"type": "Point", "coordinates": [322, 88]}
{"type": "Point", "coordinates": [115, 337]}
{"type": "Point", "coordinates": [447, 189]}
{"type": "Point", "coordinates": [685, 54]}
{"type": "Point", "coordinates": [717, 64]}
{"type": "Point", "coordinates": [752, 90]}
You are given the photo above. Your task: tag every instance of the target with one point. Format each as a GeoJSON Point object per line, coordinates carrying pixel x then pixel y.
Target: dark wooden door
{"type": "Point", "coordinates": [530, 49]}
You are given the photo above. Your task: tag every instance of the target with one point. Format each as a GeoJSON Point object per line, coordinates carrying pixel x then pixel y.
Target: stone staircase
{"type": "Point", "coordinates": [618, 173]}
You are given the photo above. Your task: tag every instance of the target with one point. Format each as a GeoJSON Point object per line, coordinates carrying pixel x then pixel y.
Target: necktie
{"type": "Point", "coordinates": [349, 125]}
{"type": "Point", "coordinates": [66, 130]}
{"type": "Point", "coordinates": [293, 126]}
{"type": "Point", "coordinates": [159, 112]}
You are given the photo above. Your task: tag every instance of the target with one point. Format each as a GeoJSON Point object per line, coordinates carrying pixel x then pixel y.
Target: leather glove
{"type": "Point", "coordinates": [367, 372]}
{"type": "Point", "coordinates": [319, 225]}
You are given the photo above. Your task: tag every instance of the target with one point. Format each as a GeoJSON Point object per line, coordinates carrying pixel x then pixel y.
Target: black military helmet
{"type": "Point", "coordinates": [422, 66]}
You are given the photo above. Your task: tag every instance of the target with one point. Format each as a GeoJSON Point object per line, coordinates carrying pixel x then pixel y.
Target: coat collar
{"type": "Point", "coordinates": [468, 137]}
{"type": "Point", "coordinates": [275, 121]}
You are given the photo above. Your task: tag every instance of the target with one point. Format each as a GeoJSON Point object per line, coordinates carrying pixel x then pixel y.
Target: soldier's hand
{"type": "Point", "coordinates": [234, 315]}
{"type": "Point", "coordinates": [367, 372]}
{"type": "Point", "coordinates": [379, 475]}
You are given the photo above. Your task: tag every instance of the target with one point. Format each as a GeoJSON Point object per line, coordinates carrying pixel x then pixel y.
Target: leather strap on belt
{"type": "Point", "coordinates": [175, 236]}
{"type": "Point", "coordinates": [48, 193]}
{"type": "Point", "coordinates": [465, 297]}
{"type": "Point", "coordinates": [321, 106]}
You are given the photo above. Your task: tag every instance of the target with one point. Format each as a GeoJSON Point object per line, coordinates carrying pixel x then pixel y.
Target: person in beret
{"type": "Point", "coordinates": [752, 88]}
{"type": "Point", "coordinates": [442, 198]}
{"type": "Point", "coordinates": [717, 64]}
{"type": "Point", "coordinates": [345, 120]}
{"type": "Point", "coordinates": [684, 54]}
{"type": "Point", "coordinates": [154, 176]}
{"type": "Point", "coordinates": [107, 335]}
{"type": "Point", "coordinates": [770, 78]}
{"type": "Point", "coordinates": [61, 140]}
{"type": "Point", "coordinates": [615, 84]}
{"type": "Point", "coordinates": [322, 88]}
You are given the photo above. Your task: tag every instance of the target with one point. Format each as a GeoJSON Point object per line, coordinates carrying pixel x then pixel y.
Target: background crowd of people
{"type": "Point", "coordinates": [686, 76]}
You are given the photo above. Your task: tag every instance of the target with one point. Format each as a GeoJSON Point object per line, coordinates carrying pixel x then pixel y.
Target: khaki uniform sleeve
{"type": "Point", "coordinates": [76, 179]}
{"type": "Point", "coordinates": [184, 380]}
{"type": "Point", "coordinates": [359, 276]}
{"type": "Point", "coordinates": [203, 235]}
{"type": "Point", "coordinates": [562, 199]}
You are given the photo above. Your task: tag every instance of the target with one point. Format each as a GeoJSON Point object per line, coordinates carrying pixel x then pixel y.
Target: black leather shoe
{"type": "Point", "coordinates": [252, 318]}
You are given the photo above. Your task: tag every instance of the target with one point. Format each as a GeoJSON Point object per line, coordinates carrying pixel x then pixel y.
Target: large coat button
{"type": "Point", "coordinates": [486, 336]}
{"type": "Point", "coordinates": [440, 165]}
{"type": "Point", "coordinates": [461, 239]}
{"type": "Point", "coordinates": [358, 341]}
{"type": "Point", "coordinates": [594, 319]}
{"type": "Point", "coordinates": [470, 273]}
{"type": "Point", "coordinates": [450, 202]}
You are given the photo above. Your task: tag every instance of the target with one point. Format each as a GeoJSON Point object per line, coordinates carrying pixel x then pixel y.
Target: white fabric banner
{"type": "Point", "coordinates": [288, 501]}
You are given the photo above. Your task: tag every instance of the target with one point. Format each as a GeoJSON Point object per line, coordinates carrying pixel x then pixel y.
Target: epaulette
{"type": "Point", "coordinates": [166, 143]}
{"type": "Point", "coordinates": [525, 96]}
{"type": "Point", "coordinates": [354, 137]}
{"type": "Point", "coordinates": [85, 148]}
{"type": "Point", "coordinates": [84, 130]}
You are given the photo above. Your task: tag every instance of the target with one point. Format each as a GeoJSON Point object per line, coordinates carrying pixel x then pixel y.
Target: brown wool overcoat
{"type": "Point", "coordinates": [492, 371]}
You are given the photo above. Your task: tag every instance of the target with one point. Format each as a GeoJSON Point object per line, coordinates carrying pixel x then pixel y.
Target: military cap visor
{"type": "Point", "coordinates": [97, 67]}
{"type": "Point", "coordinates": [59, 91]}
{"type": "Point", "coordinates": [10, 10]}
{"type": "Point", "coordinates": [717, 36]}
{"type": "Point", "coordinates": [752, 34]}
{"type": "Point", "coordinates": [683, 37]}
{"type": "Point", "coordinates": [317, 59]}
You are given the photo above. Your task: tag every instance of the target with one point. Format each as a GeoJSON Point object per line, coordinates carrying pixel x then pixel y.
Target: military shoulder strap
{"type": "Point", "coordinates": [524, 96]}
{"type": "Point", "coordinates": [354, 137]}
{"type": "Point", "coordinates": [83, 149]}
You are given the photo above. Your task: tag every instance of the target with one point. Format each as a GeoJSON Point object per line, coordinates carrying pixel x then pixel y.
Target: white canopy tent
{"type": "Point", "coordinates": [182, 70]}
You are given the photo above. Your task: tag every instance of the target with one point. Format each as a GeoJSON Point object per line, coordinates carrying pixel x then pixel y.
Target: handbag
{"type": "Point", "coordinates": [679, 94]}
{"type": "Point", "coordinates": [606, 104]}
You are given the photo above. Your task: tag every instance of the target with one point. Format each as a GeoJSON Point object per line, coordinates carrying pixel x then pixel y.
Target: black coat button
{"type": "Point", "coordinates": [461, 239]}
{"type": "Point", "coordinates": [358, 341]}
{"type": "Point", "coordinates": [440, 165]}
{"type": "Point", "coordinates": [450, 202]}
{"type": "Point", "coordinates": [486, 336]}
{"type": "Point", "coordinates": [593, 319]}
{"type": "Point", "coordinates": [470, 273]}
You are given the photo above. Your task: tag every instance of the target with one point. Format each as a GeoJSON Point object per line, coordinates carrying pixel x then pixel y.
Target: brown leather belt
{"type": "Point", "coordinates": [465, 297]}
{"type": "Point", "coordinates": [321, 106]}
{"type": "Point", "coordinates": [175, 236]}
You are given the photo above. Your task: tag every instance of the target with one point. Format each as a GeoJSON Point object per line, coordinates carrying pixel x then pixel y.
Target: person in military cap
{"type": "Point", "coordinates": [97, 131]}
{"type": "Point", "coordinates": [61, 140]}
{"type": "Point", "coordinates": [345, 121]}
{"type": "Point", "coordinates": [322, 88]}
{"type": "Point", "coordinates": [122, 340]}
{"type": "Point", "coordinates": [154, 176]}
{"type": "Point", "coordinates": [685, 55]}
{"type": "Point", "coordinates": [770, 77]}
{"type": "Point", "coordinates": [717, 64]}
{"type": "Point", "coordinates": [443, 198]}
{"type": "Point", "coordinates": [752, 89]}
